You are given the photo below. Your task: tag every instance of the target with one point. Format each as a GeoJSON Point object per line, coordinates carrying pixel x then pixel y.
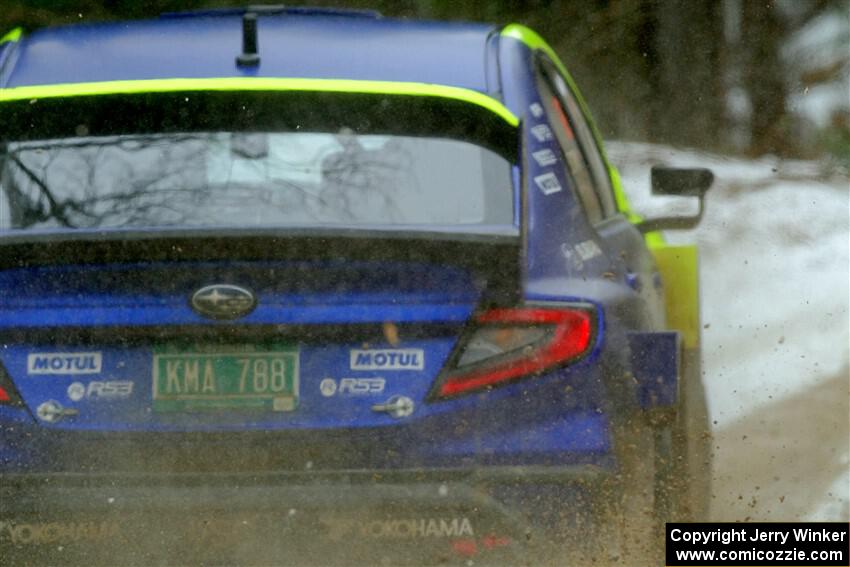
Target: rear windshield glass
{"type": "Point", "coordinates": [251, 180]}
{"type": "Point", "coordinates": [253, 159]}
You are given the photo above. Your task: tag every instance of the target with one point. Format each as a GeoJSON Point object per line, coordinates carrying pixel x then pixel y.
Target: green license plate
{"type": "Point", "coordinates": [225, 377]}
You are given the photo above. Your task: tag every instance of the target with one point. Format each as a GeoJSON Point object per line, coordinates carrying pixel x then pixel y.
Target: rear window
{"type": "Point", "coordinates": [253, 160]}
{"type": "Point", "coordinates": [251, 180]}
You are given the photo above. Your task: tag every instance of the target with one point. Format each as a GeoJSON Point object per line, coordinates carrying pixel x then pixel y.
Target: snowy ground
{"type": "Point", "coordinates": [775, 274]}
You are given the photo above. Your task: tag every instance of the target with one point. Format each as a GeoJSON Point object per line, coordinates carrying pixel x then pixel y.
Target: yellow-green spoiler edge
{"type": "Point", "coordinates": [678, 265]}
{"type": "Point", "coordinates": [258, 84]}
{"type": "Point", "coordinates": [12, 36]}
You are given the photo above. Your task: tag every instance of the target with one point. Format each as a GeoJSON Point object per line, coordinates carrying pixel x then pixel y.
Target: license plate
{"type": "Point", "coordinates": [225, 377]}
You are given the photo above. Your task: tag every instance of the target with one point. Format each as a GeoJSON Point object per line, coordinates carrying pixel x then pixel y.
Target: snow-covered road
{"type": "Point", "coordinates": [775, 276]}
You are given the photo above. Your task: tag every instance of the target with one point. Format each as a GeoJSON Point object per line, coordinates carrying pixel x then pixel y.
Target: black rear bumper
{"type": "Point", "coordinates": [407, 517]}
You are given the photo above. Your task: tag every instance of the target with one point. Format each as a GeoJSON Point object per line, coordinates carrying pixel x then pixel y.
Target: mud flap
{"type": "Point", "coordinates": [687, 485]}
{"type": "Point", "coordinates": [656, 368]}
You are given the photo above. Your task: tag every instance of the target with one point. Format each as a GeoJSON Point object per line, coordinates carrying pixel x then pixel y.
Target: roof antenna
{"type": "Point", "coordinates": [249, 57]}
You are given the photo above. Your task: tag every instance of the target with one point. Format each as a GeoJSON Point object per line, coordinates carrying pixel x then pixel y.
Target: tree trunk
{"type": "Point", "coordinates": [687, 74]}
{"type": "Point", "coordinates": [762, 30]}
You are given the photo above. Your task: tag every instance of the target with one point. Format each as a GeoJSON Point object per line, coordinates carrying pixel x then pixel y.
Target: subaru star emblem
{"type": "Point", "coordinates": [222, 301]}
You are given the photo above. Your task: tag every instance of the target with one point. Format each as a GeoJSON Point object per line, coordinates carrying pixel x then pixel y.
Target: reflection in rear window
{"type": "Point", "coordinates": [254, 179]}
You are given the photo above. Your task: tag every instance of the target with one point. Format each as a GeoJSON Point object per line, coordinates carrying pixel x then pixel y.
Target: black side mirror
{"type": "Point", "coordinates": [692, 182]}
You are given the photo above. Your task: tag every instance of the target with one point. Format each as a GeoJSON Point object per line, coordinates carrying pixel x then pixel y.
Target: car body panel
{"type": "Point", "coordinates": [548, 257]}
{"type": "Point", "coordinates": [292, 46]}
{"type": "Point", "coordinates": [113, 302]}
{"type": "Point", "coordinates": [680, 264]}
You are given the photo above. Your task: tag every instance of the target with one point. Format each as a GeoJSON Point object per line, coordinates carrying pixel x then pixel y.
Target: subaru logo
{"type": "Point", "coordinates": [222, 301]}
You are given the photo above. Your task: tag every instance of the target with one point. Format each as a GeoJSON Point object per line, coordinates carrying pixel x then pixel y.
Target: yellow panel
{"type": "Point", "coordinates": [13, 35]}
{"type": "Point", "coordinates": [679, 267]}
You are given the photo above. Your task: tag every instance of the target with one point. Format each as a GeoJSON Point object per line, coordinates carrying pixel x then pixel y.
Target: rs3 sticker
{"type": "Point", "coordinates": [97, 390]}
{"type": "Point", "coordinates": [351, 386]}
{"type": "Point", "coordinates": [388, 359]}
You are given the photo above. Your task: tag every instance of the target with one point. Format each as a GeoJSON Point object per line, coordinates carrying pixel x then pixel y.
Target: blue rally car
{"type": "Point", "coordinates": [305, 286]}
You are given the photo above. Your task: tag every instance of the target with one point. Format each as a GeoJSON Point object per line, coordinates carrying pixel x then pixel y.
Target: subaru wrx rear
{"type": "Point", "coordinates": [303, 286]}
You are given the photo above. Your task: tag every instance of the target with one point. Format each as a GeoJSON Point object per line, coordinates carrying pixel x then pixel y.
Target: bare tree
{"type": "Point", "coordinates": [764, 77]}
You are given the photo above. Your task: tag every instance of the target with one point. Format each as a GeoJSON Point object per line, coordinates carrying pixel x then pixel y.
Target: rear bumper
{"type": "Point", "coordinates": [344, 517]}
{"type": "Point", "coordinates": [499, 439]}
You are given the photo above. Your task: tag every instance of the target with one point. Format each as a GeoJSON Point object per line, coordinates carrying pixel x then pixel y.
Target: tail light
{"type": "Point", "coordinates": [511, 343]}
{"type": "Point", "coordinates": [8, 394]}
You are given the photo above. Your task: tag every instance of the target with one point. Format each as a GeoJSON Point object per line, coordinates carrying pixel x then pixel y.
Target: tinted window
{"type": "Point", "coordinates": [251, 179]}
{"type": "Point", "coordinates": [578, 170]}
{"type": "Point", "coordinates": [570, 111]}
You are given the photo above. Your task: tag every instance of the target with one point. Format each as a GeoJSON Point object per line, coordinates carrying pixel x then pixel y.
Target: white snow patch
{"type": "Point", "coordinates": [820, 44]}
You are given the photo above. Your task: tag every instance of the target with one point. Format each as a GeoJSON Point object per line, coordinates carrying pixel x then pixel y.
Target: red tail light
{"type": "Point", "coordinates": [8, 394]}
{"type": "Point", "coordinates": [507, 344]}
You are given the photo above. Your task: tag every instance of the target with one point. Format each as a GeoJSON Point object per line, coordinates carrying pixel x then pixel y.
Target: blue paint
{"type": "Point", "coordinates": [655, 364]}
{"type": "Point", "coordinates": [560, 419]}
{"type": "Point", "coordinates": [289, 46]}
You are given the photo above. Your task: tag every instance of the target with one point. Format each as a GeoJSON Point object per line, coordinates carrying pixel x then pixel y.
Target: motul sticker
{"type": "Point", "coordinates": [388, 359]}
{"type": "Point", "coordinates": [64, 363]}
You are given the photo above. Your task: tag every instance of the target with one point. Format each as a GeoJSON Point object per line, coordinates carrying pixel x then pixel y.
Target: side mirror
{"type": "Point", "coordinates": [692, 182]}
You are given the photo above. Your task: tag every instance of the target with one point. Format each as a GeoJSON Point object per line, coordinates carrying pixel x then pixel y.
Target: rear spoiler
{"type": "Point", "coordinates": [490, 252]}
